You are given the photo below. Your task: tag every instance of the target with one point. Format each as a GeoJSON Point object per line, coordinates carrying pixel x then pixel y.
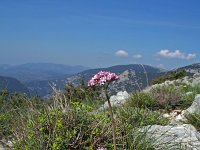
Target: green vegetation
{"type": "Point", "coordinates": [83, 93]}
{"type": "Point", "coordinates": [188, 98]}
{"type": "Point", "coordinates": [141, 100]}
{"type": "Point", "coordinates": [167, 97]}
{"type": "Point", "coordinates": [173, 75]}
{"type": "Point", "coordinates": [71, 119]}
{"type": "Point", "coordinates": [194, 119]}
{"type": "Point", "coordinates": [71, 128]}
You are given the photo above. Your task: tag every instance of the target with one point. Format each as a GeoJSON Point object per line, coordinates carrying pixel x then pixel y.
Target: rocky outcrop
{"type": "Point", "coordinates": [178, 116]}
{"type": "Point", "coordinates": [176, 135]}
{"type": "Point", "coordinates": [190, 81]}
{"type": "Point", "coordinates": [173, 137]}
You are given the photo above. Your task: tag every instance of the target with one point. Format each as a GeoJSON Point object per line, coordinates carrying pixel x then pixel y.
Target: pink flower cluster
{"type": "Point", "coordinates": [102, 77]}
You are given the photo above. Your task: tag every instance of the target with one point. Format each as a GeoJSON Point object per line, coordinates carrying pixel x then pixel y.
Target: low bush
{"type": "Point", "coordinates": [193, 119]}
{"type": "Point", "coordinates": [136, 140]}
{"type": "Point", "coordinates": [81, 92]}
{"type": "Point", "coordinates": [141, 100]}
{"type": "Point", "coordinates": [13, 111]}
{"type": "Point", "coordinates": [5, 126]}
{"type": "Point", "coordinates": [74, 127]}
{"type": "Point", "coordinates": [189, 95]}
{"type": "Point", "coordinates": [186, 101]}
{"type": "Point", "coordinates": [167, 97]}
{"type": "Point", "coordinates": [134, 117]}
{"type": "Point", "coordinates": [78, 93]}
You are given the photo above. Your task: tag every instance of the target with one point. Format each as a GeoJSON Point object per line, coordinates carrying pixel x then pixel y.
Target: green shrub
{"type": "Point", "coordinates": [187, 99]}
{"type": "Point", "coordinates": [189, 88]}
{"type": "Point", "coordinates": [5, 126]}
{"type": "Point", "coordinates": [73, 128]}
{"type": "Point", "coordinates": [81, 92]}
{"type": "Point", "coordinates": [141, 100]}
{"type": "Point", "coordinates": [134, 117]}
{"type": "Point", "coordinates": [78, 93]}
{"type": "Point", "coordinates": [193, 119]}
{"type": "Point", "coordinates": [137, 140]}
{"type": "Point", "coordinates": [167, 97]}
{"type": "Point", "coordinates": [76, 125]}
{"type": "Point", "coordinates": [13, 111]}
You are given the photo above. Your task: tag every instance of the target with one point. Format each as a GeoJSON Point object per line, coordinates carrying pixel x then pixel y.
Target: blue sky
{"type": "Point", "coordinates": [100, 33]}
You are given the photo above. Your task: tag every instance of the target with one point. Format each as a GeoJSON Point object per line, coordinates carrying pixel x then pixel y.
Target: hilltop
{"type": "Point", "coordinates": [132, 77]}
{"type": "Point", "coordinates": [40, 78]}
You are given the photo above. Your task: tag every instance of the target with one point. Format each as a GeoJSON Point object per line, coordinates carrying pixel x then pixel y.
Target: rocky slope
{"type": "Point", "coordinates": [178, 134]}
{"type": "Point", "coordinates": [39, 78]}
{"type": "Point", "coordinates": [192, 69]}
{"type": "Point", "coordinates": [132, 77]}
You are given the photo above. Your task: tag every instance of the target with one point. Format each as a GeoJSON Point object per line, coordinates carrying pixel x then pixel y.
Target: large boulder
{"type": "Point", "coordinates": [173, 137]}
{"type": "Point", "coordinates": [118, 99]}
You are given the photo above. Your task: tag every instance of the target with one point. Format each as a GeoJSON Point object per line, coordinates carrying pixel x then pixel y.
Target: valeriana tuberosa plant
{"type": "Point", "coordinates": [103, 79]}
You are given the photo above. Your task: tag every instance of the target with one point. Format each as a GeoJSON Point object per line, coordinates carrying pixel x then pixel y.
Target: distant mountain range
{"type": "Point", "coordinates": [39, 71]}
{"type": "Point", "coordinates": [132, 77]}
{"type": "Point", "coordinates": [12, 85]}
{"type": "Point", "coordinates": [40, 79]}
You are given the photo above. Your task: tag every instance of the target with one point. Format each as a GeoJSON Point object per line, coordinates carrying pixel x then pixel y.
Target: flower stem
{"type": "Point", "coordinates": [112, 117]}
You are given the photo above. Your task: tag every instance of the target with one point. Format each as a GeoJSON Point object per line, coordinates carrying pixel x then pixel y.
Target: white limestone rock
{"type": "Point", "coordinates": [173, 137]}
{"type": "Point", "coordinates": [117, 100]}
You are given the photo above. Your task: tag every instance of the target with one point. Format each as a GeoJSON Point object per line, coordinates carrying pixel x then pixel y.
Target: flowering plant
{"type": "Point", "coordinates": [104, 78]}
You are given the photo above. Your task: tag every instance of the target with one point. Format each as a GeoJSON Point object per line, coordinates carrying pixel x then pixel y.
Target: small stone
{"type": "Point", "coordinates": [166, 115]}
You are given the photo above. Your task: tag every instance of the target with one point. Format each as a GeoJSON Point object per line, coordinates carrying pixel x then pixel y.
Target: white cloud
{"type": "Point", "coordinates": [190, 56]}
{"type": "Point", "coordinates": [165, 53]}
{"type": "Point", "coordinates": [137, 56]}
{"type": "Point", "coordinates": [121, 53]}
{"type": "Point", "coordinates": [161, 66]}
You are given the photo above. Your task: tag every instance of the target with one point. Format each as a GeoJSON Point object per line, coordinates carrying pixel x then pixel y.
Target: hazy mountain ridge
{"type": "Point", "coordinates": [39, 71]}
{"type": "Point", "coordinates": [12, 85]}
{"type": "Point", "coordinates": [132, 77]}
{"type": "Point", "coordinates": [45, 87]}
